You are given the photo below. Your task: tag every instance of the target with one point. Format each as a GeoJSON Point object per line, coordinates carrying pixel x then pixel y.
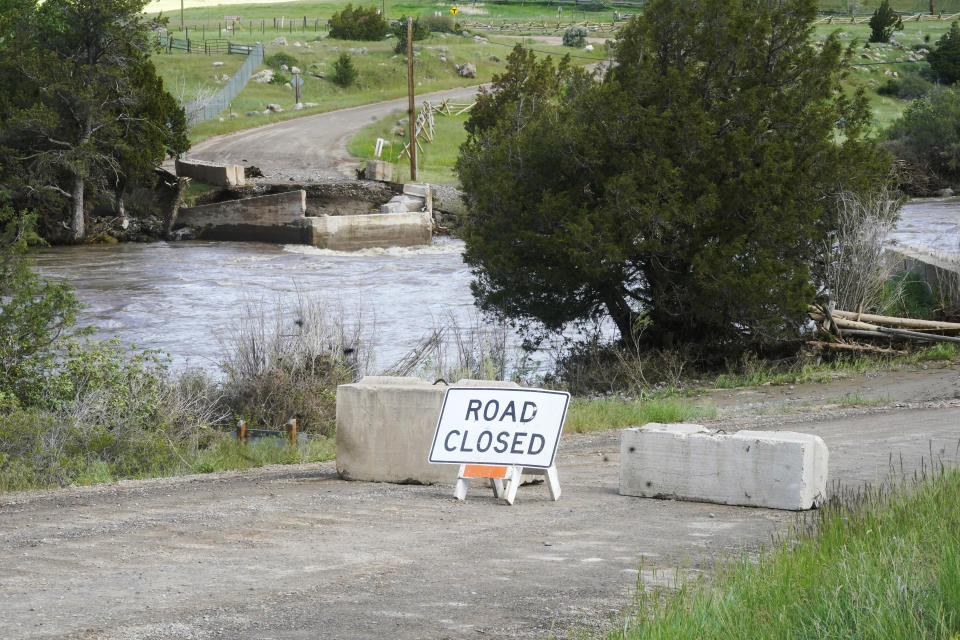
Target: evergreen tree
{"type": "Point", "coordinates": [945, 57]}
{"type": "Point", "coordinates": [344, 73]}
{"type": "Point", "coordinates": [884, 22]}
{"type": "Point", "coordinates": [687, 193]}
{"type": "Point", "coordinates": [89, 110]}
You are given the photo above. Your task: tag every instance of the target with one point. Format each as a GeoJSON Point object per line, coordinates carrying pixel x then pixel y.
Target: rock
{"type": "Point", "coordinates": [297, 44]}
{"type": "Point", "coordinates": [443, 58]}
{"type": "Point", "coordinates": [480, 39]}
{"type": "Point", "coordinates": [287, 85]}
{"type": "Point", "coordinates": [294, 69]}
{"type": "Point", "coordinates": [310, 104]}
{"type": "Point", "coordinates": [492, 59]}
{"type": "Point", "coordinates": [319, 75]}
{"type": "Point", "coordinates": [263, 77]}
{"type": "Point", "coordinates": [224, 77]}
{"type": "Point", "coordinates": [185, 233]}
{"type": "Point", "coordinates": [275, 108]}
{"type": "Point", "coordinates": [589, 47]}
{"type": "Point", "coordinates": [218, 64]}
{"type": "Point", "coordinates": [284, 67]}
{"type": "Point", "coordinates": [252, 171]}
{"type": "Point", "coordinates": [298, 106]}
{"type": "Point", "coordinates": [250, 114]}
{"type": "Point", "coordinates": [234, 115]}
{"type": "Point", "coordinates": [220, 118]}
{"type": "Point", "coordinates": [945, 193]}
{"type": "Point", "coordinates": [278, 42]}
{"type": "Point", "coordinates": [358, 52]}
{"type": "Point", "coordinates": [467, 70]}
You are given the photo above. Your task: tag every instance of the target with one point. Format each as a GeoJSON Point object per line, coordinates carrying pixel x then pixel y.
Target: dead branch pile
{"type": "Point", "coordinates": [850, 324]}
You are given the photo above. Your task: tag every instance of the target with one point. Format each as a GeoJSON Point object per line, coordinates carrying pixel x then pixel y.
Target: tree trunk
{"type": "Point", "coordinates": [621, 314]}
{"type": "Point", "coordinates": [121, 209]}
{"type": "Point", "coordinates": [77, 222]}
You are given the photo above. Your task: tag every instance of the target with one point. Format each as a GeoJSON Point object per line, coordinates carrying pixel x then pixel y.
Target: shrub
{"type": "Point", "coordinates": [944, 59]}
{"type": "Point", "coordinates": [287, 363]}
{"type": "Point", "coordinates": [421, 31]}
{"type": "Point", "coordinates": [884, 22]}
{"type": "Point", "coordinates": [279, 59]}
{"type": "Point", "coordinates": [928, 131]}
{"type": "Point", "coordinates": [344, 73]}
{"type": "Point", "coordinates": [281, 78]}
{"type": "Point", "coordinates": [441, 23]}
{"type": "Point", "coordinates": [575, 36]}
{"type": "Point", "coordinates": [358, 24]}
{"type": "Point", "coordinates": [913, 85]}
{"type": "Point", "coordinates": [890, 87]}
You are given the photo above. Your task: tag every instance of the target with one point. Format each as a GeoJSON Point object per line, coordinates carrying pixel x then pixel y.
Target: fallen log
{"type": "Point", "coordinates": [854, 347]}
{"type": "Point", "coordinates": [906, 323]}
{"type": "Point", "coordinates": [845, 325]}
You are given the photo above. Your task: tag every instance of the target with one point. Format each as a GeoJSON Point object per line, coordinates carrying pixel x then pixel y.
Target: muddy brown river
{"type": "Point", "coordinates": [182, 297]}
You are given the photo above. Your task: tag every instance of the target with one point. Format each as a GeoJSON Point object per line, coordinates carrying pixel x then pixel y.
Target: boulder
{"type": "Point", "coordinates": [218, 64]}
{"type": "Point", "coordinates": [275, 108]}
{"type": "Point", "coordinates": [278, 42]}
{"type": "Point", "coordinates": [263, 77]}
{"type": "Point", "coordinates": [467, 70]}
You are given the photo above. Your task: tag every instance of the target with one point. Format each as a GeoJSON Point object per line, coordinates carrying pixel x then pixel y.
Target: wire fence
{"type": "Point", "coordinates": [205, 109]}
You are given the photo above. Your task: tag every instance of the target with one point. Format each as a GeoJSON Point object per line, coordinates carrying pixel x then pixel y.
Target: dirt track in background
{"type": "Point", "coordinates": [294, 552]}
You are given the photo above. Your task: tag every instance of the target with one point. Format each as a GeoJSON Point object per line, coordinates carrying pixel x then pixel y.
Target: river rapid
{"type": "Point", "coordinates": [183, 298]}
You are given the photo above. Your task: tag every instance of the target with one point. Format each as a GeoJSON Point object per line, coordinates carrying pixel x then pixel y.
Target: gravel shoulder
{"type": "Point", "coordinates": [295, 552]}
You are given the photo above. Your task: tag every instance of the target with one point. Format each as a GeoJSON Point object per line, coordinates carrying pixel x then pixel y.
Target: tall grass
{"type": "Point", "coordinates": [876, 563]}
{"type": "Point", "coordinates": [593, 414]}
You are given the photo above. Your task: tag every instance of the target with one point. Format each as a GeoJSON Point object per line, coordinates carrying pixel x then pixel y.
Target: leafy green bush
{"type": "Point", "coordinates": [344, 73]}
{"type": "Point", "coordinates": [34, 313]}
{"type": "Point", "coordinates": [575, 36]}
{"type": "Point", "coordinates": [884, 22]}
{"type": "Point", "coordinates": [944, 59]}
{"type": "Point", "coordinates": [929, 132]}
{"type": "Point", "coordinates": [279, 59]}
{"type": "Point", "coordinates": [913, 85]}
{"type": "Point", "coordinates": [280, 77]}
{"type": "Point", "coordinates": [421, 31]}
{"type": "Point", "coordinates": [358, 24]}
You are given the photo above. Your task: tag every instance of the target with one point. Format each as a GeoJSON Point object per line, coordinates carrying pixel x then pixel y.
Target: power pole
{"type": "Point", "coordinates": [181, 15]}
{"type": "Point", "coordinates": [413, 122]}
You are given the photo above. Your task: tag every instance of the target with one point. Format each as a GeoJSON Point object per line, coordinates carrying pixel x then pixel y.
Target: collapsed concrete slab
{"type": "Point", "coordinates": [281, 217]}
{"type": "Point", "coordinates": [776, 469]}
{"type": "Point", "coordinates": [222, 175]}
{"type": "Point", "coordinates": [385, 427]}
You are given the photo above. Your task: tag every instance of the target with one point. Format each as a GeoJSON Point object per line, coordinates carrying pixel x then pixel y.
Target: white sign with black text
{"type": "Point", "coordinates": [499, 426]}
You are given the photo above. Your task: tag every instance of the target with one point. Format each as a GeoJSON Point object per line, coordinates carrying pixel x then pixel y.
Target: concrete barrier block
{"type": "Point", "coordinates": [385, 427]}
{"type": "Point", "coordinates": [422, 191]}
{"type": "Point", "coordinates": [776, 469]}
{"type": "Point", "coordinates": [224, 175]}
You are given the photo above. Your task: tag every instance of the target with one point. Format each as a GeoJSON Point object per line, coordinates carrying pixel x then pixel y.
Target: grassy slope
{"type": "Point", "coordinates": [885, 566]}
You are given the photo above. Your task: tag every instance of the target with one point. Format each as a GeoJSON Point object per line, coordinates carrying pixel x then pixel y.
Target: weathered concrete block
{"type": "Point", "coordinates": [385, 427]}
{"type": "Point", "coordinates": [379, 170]}
{"type": "Point", "coordinates": [421, 191]}
{"type": "Point", "coordinates": [349, 233]}
{"type": "Point", "coordinates": [277, 217]}
{"type": "Point", "coordinates": [393, 206]}
{"type": "Point", "coordinates": [224, 175]}
{"type": "Point", "coordinates": [777, 469]}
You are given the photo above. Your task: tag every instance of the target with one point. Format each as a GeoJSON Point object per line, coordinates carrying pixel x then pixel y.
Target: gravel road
{"type": "Point", "coordinates": [295, 552]}
{"type": "Point", "coordinates": [310, 148]}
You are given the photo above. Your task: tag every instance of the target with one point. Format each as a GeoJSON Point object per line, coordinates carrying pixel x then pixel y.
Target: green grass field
{"type": "Point", "coordinates": [881, 565]}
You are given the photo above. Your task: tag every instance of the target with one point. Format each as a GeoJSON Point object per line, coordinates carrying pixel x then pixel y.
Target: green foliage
{"type": "Point", "coordinates": [944, 59]}
{"type": "Point", "coordinates": [279, 59]}
{"type": "Point", "coordinates": [884, 22]}
{"type": "Point", "coordinates": [686, 189]}
{"type": "Point", "coordinates": [873, 563]}
{"type": "Point", "coordinates": [358, 24]}
{"type": "Point", "coordinates": [281, 78]}
{"type": "Point", "coordinates": [612, 413]}
{"type": "Point", "coordinates": [34, 313]}
{"type": "Point", "coordinates": [86, 111]}
{"type": "Point", "coordinates": [442, 23]}
{"type": "Point", "coordinates": [421, 31]}
{"type": "Point", "coordinates": [929, 132]}
{"type": "Point", "coordinates": [575, 36]}
{"type": "Point", "coordinates": [344, 73]}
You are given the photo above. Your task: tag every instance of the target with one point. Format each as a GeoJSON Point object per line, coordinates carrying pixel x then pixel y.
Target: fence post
{"type": "Point", "coordinates": [291, 429]}
{"type": "Point", "coordinates": [242, 431]}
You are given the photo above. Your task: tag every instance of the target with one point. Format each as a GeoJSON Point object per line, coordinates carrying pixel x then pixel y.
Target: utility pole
{"type": "Point", "coordinates": [413, 122]}
{"type": "Point", "coordinates": [181, 15]}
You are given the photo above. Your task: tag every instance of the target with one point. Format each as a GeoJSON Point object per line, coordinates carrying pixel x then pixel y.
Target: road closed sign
{"type": "Point", "coordinates": [499, 426]}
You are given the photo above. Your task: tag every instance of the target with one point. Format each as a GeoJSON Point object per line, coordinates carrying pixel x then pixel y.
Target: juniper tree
{"type": "Point", "coordinates": [689, 191]}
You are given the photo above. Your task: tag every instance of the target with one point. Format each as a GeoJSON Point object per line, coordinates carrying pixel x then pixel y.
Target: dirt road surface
{"type": "Point", "coordinates": [310, 148]}
{"type": "Point", "coordinates": [295, 552]}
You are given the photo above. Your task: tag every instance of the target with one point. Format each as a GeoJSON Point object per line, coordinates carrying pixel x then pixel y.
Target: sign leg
{"type": "Point", "coordinates": [513, 483]}
{"type": "Point", "coordinates": [497, 484]}
{"type": "Point", "coordinates": [553, 482]}
{"type": "Point", "coordinates": [460, 491]}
